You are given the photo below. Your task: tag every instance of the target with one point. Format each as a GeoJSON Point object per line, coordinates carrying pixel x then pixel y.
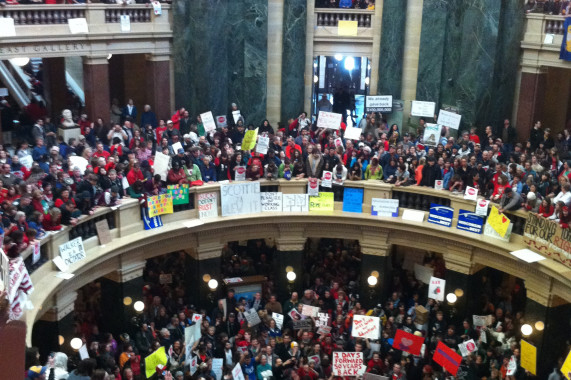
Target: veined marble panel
{"type": "Point", "coordinates": [392, 48]}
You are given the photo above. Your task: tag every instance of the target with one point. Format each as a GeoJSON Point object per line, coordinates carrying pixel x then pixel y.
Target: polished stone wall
{"type": "Point", "coordinates": [469, 57]}
{"type": "Point", "coordinates": [220, 56]}
{"type": "Point", "coordinates": [293, 58]}
{"type": "Point", "coordinates": [392, 48]}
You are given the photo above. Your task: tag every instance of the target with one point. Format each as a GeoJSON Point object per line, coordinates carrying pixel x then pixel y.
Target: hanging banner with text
{"type": "Point", "coordinates": [72, 251]}
{"type": "Point", "coordinates": [382, 103]}
{"type": "Point", "coordinates": [240, 198]}
{"type": "Point", "coordinates": [548, 238]}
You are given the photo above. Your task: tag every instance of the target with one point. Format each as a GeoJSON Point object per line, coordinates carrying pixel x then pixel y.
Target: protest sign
{"type": "Point", "coordinates": [436, 288]}
{"type": "Point", "coordinates": [467, 347]}
{"type": "Point", "coordinates": [432, 133]}
{"type": "Point", "coordinates": [279, 318]}
{"type": "Point", "coordinates": [408, 342]}
{"type": "Point", "coordinates": [438, 184]}
{"type": "Point", "coordinates": [83, 353]}
{"type": "Point", "coordinates": [165, 278]}
{"type": "Point", "coordinates": [482, 207]}
{"type": "Point", "coordinates": [295, 202]}
{"type": "Point", "coordinates": [236, 116]}
{"type": "Point", "coordinates": [353, 200]}
{"type": "Point", "coordinates": [324, 330]}
{"type": "Point", "coordinates": [36, 255]}
{"type": "Point", "coordinates": [237, 373]}
{"type": "Point", "coordinates": [207, 205]}
{"type": "Point", "coordinates": [323, 202]}
{"type": "Point", "coordinates": [148, 222]}
{"type": "Point", "coordinates": [566, 367]}
{"type": "Point", "coordinates": [512, 366]}
{"type": "Point", "coordinates": [157, 8]}
{"type": "Point", "coordinates": [77, 25]}
{"type": "Point", "coordinates": [482, 320]}
{"type": "Point", "coordinates": [159, 205]}
{"type": "Point", "coordinates": [217, 364]}
{"type": "Point", "coordinates": [413, 215]}
{"type": "Point", "coordinates": [81, 163]}
{"type": "Point", "coordinates": [329, 120]}
{"type": "Point", "coordinates": [449, 119]}
{"type": "Point", "coordinates": [548, 238]}
{"type": "Point", "coordinates": [313, 187]}
{"type": "Point", "coordinates": [249, 141]}
{"type": "Point", "coordinates": [326, 179]}
{"type": "Point", "coordinates": [161, 165]}
{"type": "Point", "coordinates": [125, 24]}
{"type": "Point", "coordinates": [423, 109]}
{"type": "Point", "coordinates": [379, 103]}
{"type": "Point", "coordinates": [208, 121]}
{"type": "Point", "coordinates": [252, 317]}
{"type": "Point", "coordinates": [489, 231]}
{"type": "Point", "coordinates": [240, 198]}
{"type": "Point", "coordinates": [385, 207]}
{"type": "Point", "coordinates": [262, 145]}
{"type": "Point", "coordinates": [528, 357]}
{"type": "Point", "coordinates": [271, 201]}
{"type": "Point", "coordinates": [221, 121]}
{"type": "Point", "coordinates": [28, 161]}
{"type": "Point", "coordinates": [193, 362]}
{"type": "Point", "coordinates": [323, 320]}
{"type": "Point", "coordinates": [302, 324]}
{"type": "Point", "coordinates": [447, 358]}
{"type": "Point", "coordinates": [153, 360]}
{"type": "Point", "coordinates": [440, 215]}
{"type": "Point", "coordinates": [498, 221]}
{"type": "Point", "coordinates": [471, 193]}
{"type": "Point", "coordinates": [7, 28]}
{"type": "Point", "coordinates": [347, 363]}
{"type": "Point", "coordinates": [314, 358]}
{"type": "Point", "coordinates": [309, 311]}
{"type": "Point", "coordinates": [240, 174]}
{"type": "Point", "coordinates": [422, 273]}
{"type": "Point", "coordinates": [72, 251]}
{"type": "Point", "coordinates": [102, 228]}
{"type": "Point", "coordinates": [470, 221]}
{"type": "Point", "coordinates": [353, 133]}
{"type": "Point", "coordinates": [347, 28]}
{"type": "Point", "coordinates": [179, 194]}
{"type": "Point", "coordinates": [366, 327]}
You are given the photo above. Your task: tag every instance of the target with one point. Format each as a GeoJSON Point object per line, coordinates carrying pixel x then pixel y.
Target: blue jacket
{"type": "Point", "coordinates": [446, 178]}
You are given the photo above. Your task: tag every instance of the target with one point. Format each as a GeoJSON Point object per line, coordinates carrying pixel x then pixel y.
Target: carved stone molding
{"type": "Point", "coordinates": [64, 304]}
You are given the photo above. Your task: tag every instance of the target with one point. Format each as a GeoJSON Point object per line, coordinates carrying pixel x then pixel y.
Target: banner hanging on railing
{"type": "Point", "coordinates": [159, 205]}
{"type": "Point", "coordinates": [179, 194]}
{"type": "Point", "coordinates": [548, 238]}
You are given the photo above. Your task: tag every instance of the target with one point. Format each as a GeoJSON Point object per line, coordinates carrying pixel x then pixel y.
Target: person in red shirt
{"type": "Point", "coordinates": [135, 174]}
{"type": "Point", "coordinates": [291, 146]}
{"type": "Point", "coordinates": [376, 364]}
{"type": "Point", "coordinates": [176, 118]}
{"type": "Point", "coordinates": [100, 152]}
{"type": "Point", "coordinates": [473, 136]}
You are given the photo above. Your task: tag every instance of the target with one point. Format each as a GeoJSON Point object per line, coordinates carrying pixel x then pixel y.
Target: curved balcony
{"type": "Point", "coordinates": [542, 40]}
{"type": "Point", "coordinates": [182, 230]}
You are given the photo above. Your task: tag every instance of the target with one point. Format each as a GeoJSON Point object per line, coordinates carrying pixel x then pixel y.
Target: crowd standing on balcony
{"type": "Point", "coordinates": [549, 7]}
{"type": "Point", "coordinates": [346, 4]}
{"type": "Point", "coordinates": [268, 351]}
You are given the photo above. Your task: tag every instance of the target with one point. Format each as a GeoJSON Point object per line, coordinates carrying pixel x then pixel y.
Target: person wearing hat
{"type": "Point", "coordinates": [171, 132]}
{"type": "Point", "coordinates": [430, 172]}
{"type": "Point", "coordinates": [37, 372]}
{"type": "Point", "coordinates": [510, 200]}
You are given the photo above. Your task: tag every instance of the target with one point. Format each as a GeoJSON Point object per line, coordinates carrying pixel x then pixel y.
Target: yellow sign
{"type": "Point", "coordinates": [499, 222]}
{"type": "Point", "coordinates": [159, 205]}
{"type": "Point", "coordinates": [566, 367]}
{"type": "Point", "coordinates": [528, 357]}
{"type": "Point", "coordinates": [323, 202]}
{"type": "Point", "coordinates": [249, 141]}
{"type": "Point", "coordinates": [347, 28]}
{"type": "Point", "coordinates": [153, 360]}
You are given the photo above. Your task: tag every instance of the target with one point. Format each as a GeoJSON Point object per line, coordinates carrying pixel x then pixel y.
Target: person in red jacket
{"type": "Point", "coordinates": [176, 118]}
{"type": "Point", "coordinates": [135, 174]}
{"type": "Point", "coordinates": [546, 208]}
{"type": "Point", "coordinates": [376, 364]}
{"type": "Point", "coordinates": [291, 146]}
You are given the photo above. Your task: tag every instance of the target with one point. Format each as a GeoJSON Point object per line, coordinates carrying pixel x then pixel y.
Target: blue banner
{"type": "Point", "coordinates": [352, 200]}
{"type": "Point", "coordinates": [469, 221]}
{"type": "Point", "coordinates": [441, 215]}
{"type": "Point", "coordinates": [148, 222]}
{"type": "Point", "coordinates": [566, 44]}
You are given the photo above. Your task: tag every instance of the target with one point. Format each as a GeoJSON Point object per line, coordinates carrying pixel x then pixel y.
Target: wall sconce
{"type": "Point", "coordinates": [291, 276]}
{"type": "Point", "coordinates": [139, 306]}
{"type": "Point", "coordinates": [212, 284]}
{"type": "Point", "coordinates": [526, 329]}
{"type": "Point", "coordinates": [539, 326]}
{"type": "Point", "coordinates": [451, 298]}
{"type": "Point", "coordinates": [76, 343]}
{"type": "Point", "coordinates": [372, 280]}
{"type": "Point", "coordinates": [127, 301]}
{"type": "Point", "coordinates": [459, 292]}
{"type": "Point", "coordinates": [61, 340]}
{"type": "Point", "coordinates": [315, 79]}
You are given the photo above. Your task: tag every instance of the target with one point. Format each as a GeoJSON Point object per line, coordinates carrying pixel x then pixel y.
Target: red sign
{"type": "Point", "coordinates": [447, 358]}
{"type": "Point", "coordinates": [327, 176]}
{"type": "Point", "coordinates": [408, 342]}
{"type": "Point", "coordinates": [471, 192]}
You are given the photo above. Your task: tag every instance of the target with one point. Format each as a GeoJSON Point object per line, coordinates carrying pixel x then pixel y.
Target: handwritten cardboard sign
{"type": "Point", "coordinates": [347, 363]}
{"type": "Point", "coordinates": [103, 232]}
{"type": "Point", "coordinates": [366, 327]}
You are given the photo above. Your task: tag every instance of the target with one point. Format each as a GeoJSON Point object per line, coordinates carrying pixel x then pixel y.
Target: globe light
{"type": "Point", "coordinates": [459, 292]}
{"type": "Point", "coordinates": [375, 273]}
{"type": "Point", "coordinates": [291, 276]}
{"type": "Point", "coordinates": [289, 268]}
{"type": "Point", "coordinates": [315, 79]}
{"type": "Point", "coordinates": [451, 298]}
{"type": "Point", "coordinates": [338, 57]}
{"type": "Point", "coordinates": [139, 306]}
{"type": "Point", "coordinates": [127, 301]}
{"type": "Point", "coordinates": [526, 329]}
{"type": "Point", "coordinates": [539, 326]}
{"type": "Point", "coordinates": [372, 280]}
{"type": "Point", "coordinates": [212, 284]}
{"type": "Point", "coordinates": [349, 63]}
{"type": "Point", "coordinates": [76, 343]}
{"type": "Point", "coordinates": [61, 340]}
{"type": "Point", "coordinates": [20, 61]}
{"type": "Point", "coordinates": [206, 278]}
{"type": "Point", "coordinates": [367, 81]}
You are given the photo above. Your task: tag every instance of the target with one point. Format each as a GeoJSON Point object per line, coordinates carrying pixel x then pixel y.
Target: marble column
{"type": "Point", "coordinates": [294, 58]}
{"type": "Point", "coordinates": [392, 48]}
{"type": "Point", "coordinates": [207, 259]}
{"type": "Point", "coordinates": [275, 52]}
{"type": "Point", "coordinates": [55, 85]}
{"type": "Point", "coordinates": [158, 85]}
{"type": "Point", "coordinates": [530, 102]}
{"type": "Point", "coordinates": [96, 87]}
{"type": "Point", "coordinates": [411, 52]}
{"type": "Point", "coordinates": [308, 58]}
{"type": "Point", "coordinates": [289, 252]}
{"type": "Point", "coordinates": [376, 257]}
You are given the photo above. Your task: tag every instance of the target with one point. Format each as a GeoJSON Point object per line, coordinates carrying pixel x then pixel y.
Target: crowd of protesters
{"type": "Point", "coordinates": [267, 351]}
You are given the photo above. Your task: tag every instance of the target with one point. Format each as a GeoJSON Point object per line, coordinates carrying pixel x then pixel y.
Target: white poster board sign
{"type": "Point", "coordinates": [432, 134]}
{"type": "Point", "coordinates": [353, 133]}
{"type": "Point", "coordinates": [467, 347]}
{"type": "Point", "coordinates": [161, 164]}
{"type": "Point", "coordinates": [262, 145]}
{"type": "Point", "coordinates": [217, 364]}
{"type": "Point", "coordinates": [208, 121]}
{"type": "Point", "coordinates": [125, 24]}
{"type": "Point", "coordinates": [78, 161]}
{"type": "Point", "coordinates": [240, 198]}
{"type": "Point", "coordinates": [471, 193]}
{"type": "Point", "coordinates": [7, 28]}
{"type": "Point", "coordinates": [482, 320]}
{"type": "Point", "coordinates": [271, 201]}
{"type": "Point", "coordinates": [78, 25]}
{"type": "Point", "coordinates": [413, 215]}
{"type": "Point", "coordinates": [436, 288]}
{"type": "Point", "coordinates": [482, 207]}
{"type": "Point", "coordinates": [236, 115]}
{"type": "Point", "coordinates": [327, 179]}
{"type": "Point", "coordinates": [366, 327]}
{"type": "Point", "coordinates": [385, 207]}
{"type": "Point", "coordinates": [240, 174]}
{"type": "Point", "coordinates": [176, 147]}
{"type": "Point", "coordinates": [422, 273]}
{"type": "Point", "coordinates": [27, 161]}
{"type": "Point", "coordinates": [309, 311]}
{"type": "Point", "coordinates": [295, 202]}
{"type": "Point", "coordinates": [72, 251]}
{"type": "Point", "coordinates": [279, 318]}
{"type": "Point", "coordinates": [207, 205]}
{"type": "Point", "coordinates": [422, 109]}
{"type": "Point", "coordinates": [347, 363]}
{"type": "Point", "coordinates": [449, 119]}
{"type": "Point", "coordinates": [237, 373]}
{"type": "Point", "coordinates": [379, 103]}
{"type": "Point", "coordinates": [329, 120]}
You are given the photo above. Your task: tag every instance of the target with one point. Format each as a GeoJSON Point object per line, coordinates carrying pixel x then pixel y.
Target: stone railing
{"type": "Point", "coordinates": [554, 24]}
{"type": "Point", "coordinates": [136, 14]}
{"type": "Point", "coordinates": [541, 42]}
{"type": "Point", "coordinates": [331, 17]}
{"type": "Point", "coordinates": [43, 14]}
